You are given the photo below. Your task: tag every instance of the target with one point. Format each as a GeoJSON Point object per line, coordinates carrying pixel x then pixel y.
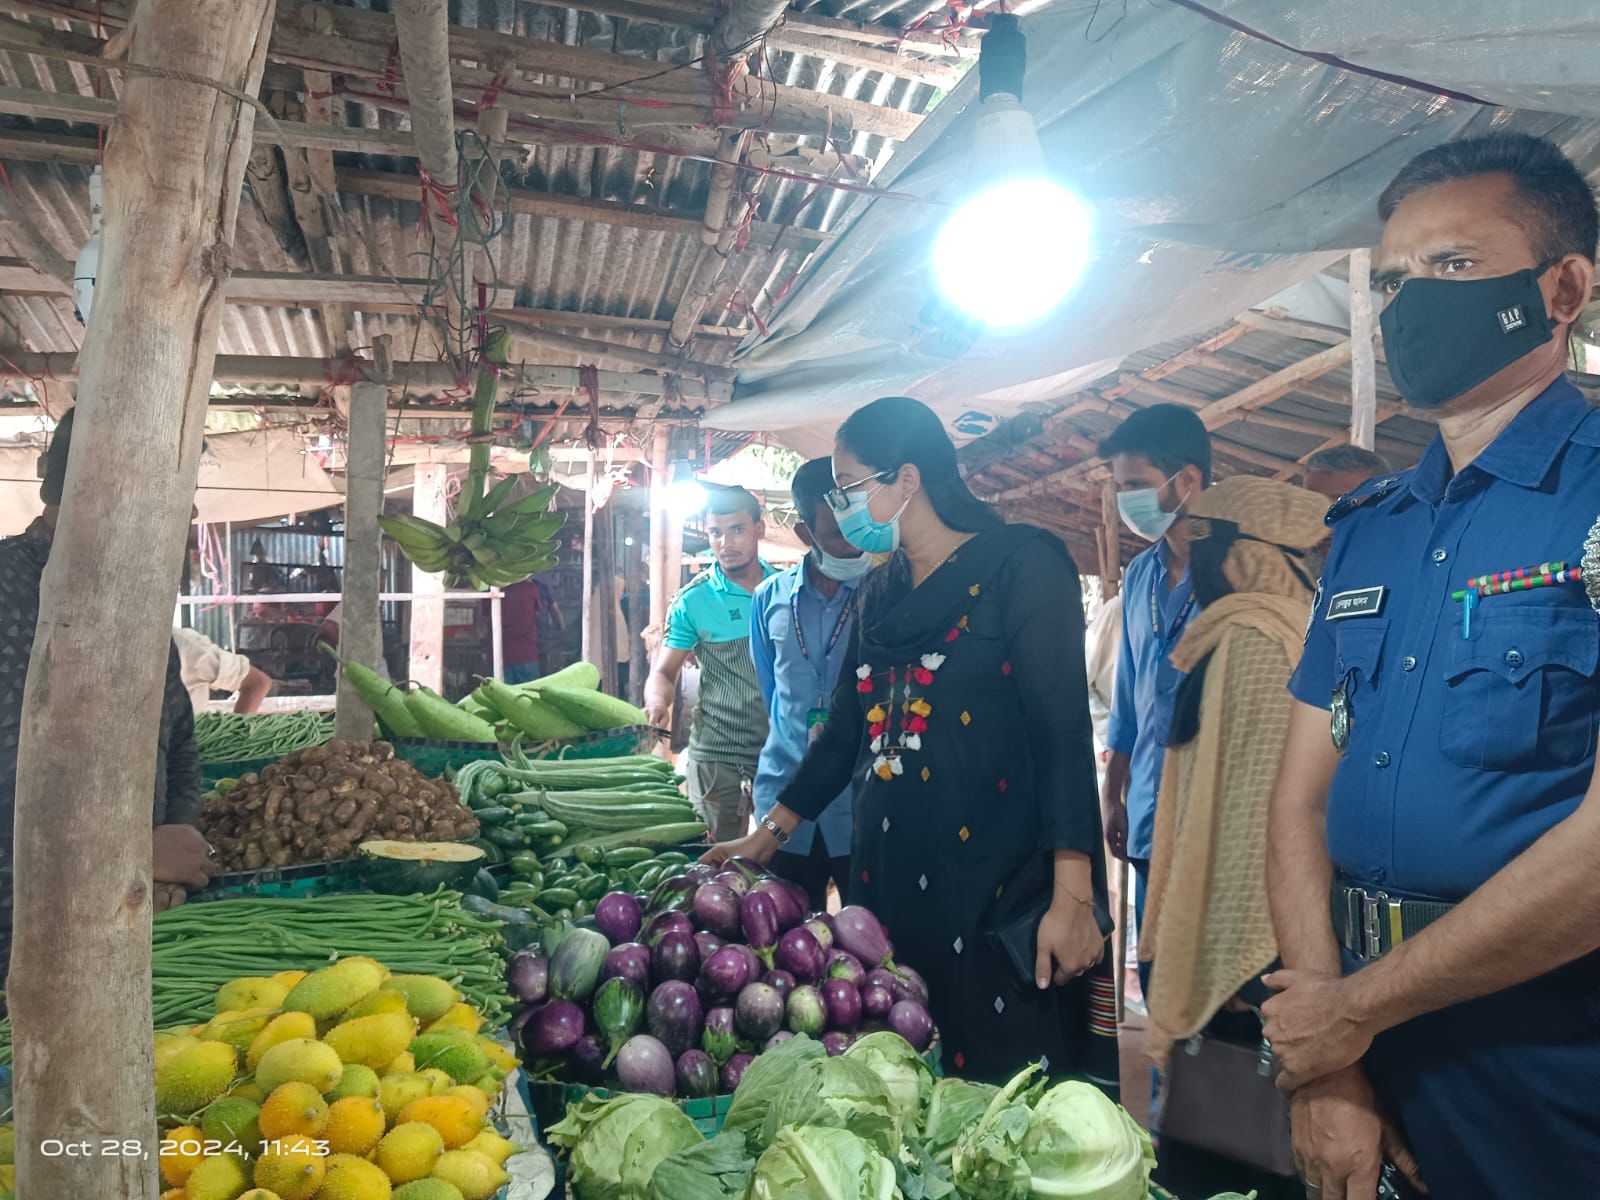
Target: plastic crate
{"type": "Point", "coordinates": [434, 758]}
{"type": "Point", "coordinates": [213, 773]}
{"type": "Point", "coordinates": [284, 883]}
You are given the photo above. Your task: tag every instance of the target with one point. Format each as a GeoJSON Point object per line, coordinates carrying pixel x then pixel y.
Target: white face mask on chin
{"type": "Point", "coordinates": [842, 570]}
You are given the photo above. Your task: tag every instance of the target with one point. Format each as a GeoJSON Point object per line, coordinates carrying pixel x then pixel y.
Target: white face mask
{"type": "Point", "coordinates": [1141, 511]}
{"type": "Point", "coordinates": [843, 570]}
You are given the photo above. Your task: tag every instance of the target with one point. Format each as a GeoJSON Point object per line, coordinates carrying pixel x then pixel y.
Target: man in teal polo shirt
{"type": "Point", "coordinates": [710, 618]}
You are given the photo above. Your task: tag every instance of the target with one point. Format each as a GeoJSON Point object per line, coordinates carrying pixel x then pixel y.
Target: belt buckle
{"type": "Point", "coordinates": [1372, 911]}
{"type": "Point", "coordinates": [1352, 919]}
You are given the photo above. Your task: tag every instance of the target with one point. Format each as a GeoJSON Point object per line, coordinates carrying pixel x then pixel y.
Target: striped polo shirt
{"type": "Point", "coordinates": [711, 617]}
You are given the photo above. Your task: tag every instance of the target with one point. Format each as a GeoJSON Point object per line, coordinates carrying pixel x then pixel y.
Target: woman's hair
{"type": "Point", "coordinates": [897, 431]}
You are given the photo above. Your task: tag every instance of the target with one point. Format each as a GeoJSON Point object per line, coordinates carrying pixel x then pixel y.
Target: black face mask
{"type": "Point", "coordinates": [1444, 337]}
{"type": "Point", "coordinates": [1207, 554]}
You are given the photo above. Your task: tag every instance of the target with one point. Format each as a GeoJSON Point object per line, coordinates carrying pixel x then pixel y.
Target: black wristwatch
{"type": "Point", "coordinates": [775, 830]}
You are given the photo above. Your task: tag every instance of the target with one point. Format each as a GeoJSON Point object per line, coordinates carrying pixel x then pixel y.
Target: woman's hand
{"type": "Point", "coordinates": [1069, 943]}
{"type": "Point", "coordinates": [759, 845]}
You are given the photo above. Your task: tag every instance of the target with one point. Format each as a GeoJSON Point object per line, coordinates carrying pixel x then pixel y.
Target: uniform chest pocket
{"type": "Point", "coordinates": [1358, 650]}
{"type": "Point", "coordinates": [1522, 693]}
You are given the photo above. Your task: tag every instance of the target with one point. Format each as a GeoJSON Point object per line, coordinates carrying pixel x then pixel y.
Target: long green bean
{"type": "Point", "coordinates": [240, 737]}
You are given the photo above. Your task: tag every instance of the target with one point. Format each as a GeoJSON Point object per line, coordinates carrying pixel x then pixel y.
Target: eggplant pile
{"type": "Point", "coordinates": [677, 996]}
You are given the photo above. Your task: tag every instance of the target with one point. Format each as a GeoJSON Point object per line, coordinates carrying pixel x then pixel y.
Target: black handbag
{"type": "Point", "coordinates": [1012, 928]}
{"type": "Point", "coordinates": [1223, 1097]}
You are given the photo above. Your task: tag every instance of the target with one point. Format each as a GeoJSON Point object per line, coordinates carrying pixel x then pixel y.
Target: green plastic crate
{"type": "Point", "coordinates": [434, 758]}
{"type": "Point", "coordinates": [284, 883]}
{"type": "Point", "coordinates": [213, 773]}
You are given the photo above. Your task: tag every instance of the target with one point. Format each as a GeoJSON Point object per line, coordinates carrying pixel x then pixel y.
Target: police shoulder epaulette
{"type": "Point", "coordinates": [1370, 491]}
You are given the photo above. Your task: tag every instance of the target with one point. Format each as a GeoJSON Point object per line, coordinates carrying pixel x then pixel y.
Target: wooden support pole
{"type": "Point", "coordinates": [361, 619]}
{"type": "Point", "coordinates": [636, 527]}
{"type": "Point", "coordinates": [588, 637]}
{"type": "Point", "coordinates": [427, 610]}
{"type": "Point", "coordinates": [1363, 361]}
{"type": "Point", "coordinates": [79, 986]}
{"type": "Point", "coordinates": [713, 257]}
{"type": "Point", "coordinates": [606, 598]}
{"type": "Point", "coordinates": [1111, 532]}
{"type": "Point", "coordinates": [661, 585]}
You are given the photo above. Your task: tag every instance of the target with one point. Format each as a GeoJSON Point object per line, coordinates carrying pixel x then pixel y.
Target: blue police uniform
{"type": "Point", "coordinates": [1465, 740]}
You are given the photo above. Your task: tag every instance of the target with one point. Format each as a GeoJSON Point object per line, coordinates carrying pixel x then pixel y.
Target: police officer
{"type": "Point", "coordinates": [1439, 777]}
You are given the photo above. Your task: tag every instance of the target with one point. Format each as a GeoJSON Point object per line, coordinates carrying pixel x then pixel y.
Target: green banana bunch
{"type": "Point", "coordinates": [493, 542]}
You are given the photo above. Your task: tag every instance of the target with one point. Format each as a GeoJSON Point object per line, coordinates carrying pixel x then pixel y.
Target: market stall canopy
{"type": "Point", "coordinates": [243, 477]}
{"type": "Point", "coordinates": [1227, 158]}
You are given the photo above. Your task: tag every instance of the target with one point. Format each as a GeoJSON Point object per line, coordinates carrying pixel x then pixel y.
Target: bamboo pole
{"type": "Point", "coordinates": [80, 981]}
{"type": "Point", "coordinates": [587, 639]}
{"type": "Point", "coordinates": [606, 598]}
{"type": "Point", "coordinates": [661, 588]}
{"type": "Point", "coordinates": [636, 527]}
{"type": "Point", "coordinates": [427, 610]}
{"type": "Point", "coordinates": [1363, 356]}
{"type": "Point", "coordinates": [361, 619]}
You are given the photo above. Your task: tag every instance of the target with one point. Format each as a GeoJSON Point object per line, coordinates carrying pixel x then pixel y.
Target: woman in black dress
{"type": "Point", "coordinates": [962, 716]}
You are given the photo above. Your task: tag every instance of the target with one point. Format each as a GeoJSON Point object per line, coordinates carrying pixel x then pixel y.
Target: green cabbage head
{"type": "Point", "coordinates": [815, 1162]}
{"type": "Point", "coordinates": [891, 1058]}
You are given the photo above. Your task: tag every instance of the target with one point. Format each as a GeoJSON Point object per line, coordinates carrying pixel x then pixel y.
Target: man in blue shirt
{"type": "Point", "coordinates": [1439, 781]}
{"type": "Point", "coordinates": [800, 627]}
{"type": "Point", "coordinates": [1161, 459]}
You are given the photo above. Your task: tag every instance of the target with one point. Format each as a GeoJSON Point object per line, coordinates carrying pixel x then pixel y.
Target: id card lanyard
{"type": "Point", "coordinates": [817, 717]}
{"type": "Point", "coordinates": [1155, 615]}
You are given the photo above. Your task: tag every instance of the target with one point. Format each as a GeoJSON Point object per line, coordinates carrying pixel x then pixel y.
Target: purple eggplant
{"type": "Point", "coordinates": [721, 1036]}
{"type": "Point", "coordinates": [587, 1059]}
{"type": "Point", "coordinates": [800, 954]}
{"type": "Point", "coordinates": [912, 1022]}
{"type": "Point", "coordinates": [820, 926]}
{"type": "Point", "coordinates": [843, 1000]}
{"type": "Point", "coordinates": [676, 1018]}
{"type": "Point", "coordinates": [645, 1065]}
{"type": "Point", "coordinates": [758, 1012]}
{"type": "Point", "coordinates": [699, 873]}
{"type": "Point", "coordinates": [675, 957]}
{"type": "Point", "coordinates": [733, 881]}
{"type": "Point", "coordinates": [618, 916]}
{"type": "Point", "coordinates": [855, 929]}
{"type": "Point", "coordinates": [876, 1001]}
{"type": "Point", "coordinates": [906, 984]}
{"type": "Point", "coordinates": [727, 971]}
{"type": "Point", "coordinates": [733, 1071]}
{"type": "Point", "coordinates": [748, 867]}
{"type": "Point", "coordinates": [553, 1030]}
{"type": "Point", "coordinates": [575, 966]}
{"type": "Point", "coordinates": [806, 1012]}
{"type": "Point", "coordinates": [515, 1026]}
{"type": "Point", "coordinates": [836, 1043]}
{"type": "Point", "coordinates": [716, 910]}
{"type": "Point", "coordinates": [697, 1075]}
{"type": "Point", "coordinates": [618, 1012]}
{"type": "Point", "coordinates": [672, 895]}
{"type": "Point", "coordinates": [757, 968]}
{"type": "Point", "coordinates": [777, 1039]}
{"type": "Point", "coordinates": [658, 926]}
{"type": "Point", "coordinates": [781, 982]}
{"type": "Point", "coordinates": [528, 976]}
{"type": "Point", "coordinates": [629, 961]}
{"type": "Point", "coordinates": [785, 907]}
{"type": "Point", "coordinates": [708, 944]}
{"type": "Point", "coordinates": [846, 966]}
{"type": "Point", "coordinates": [879, 977]}
{"type": "Point", "coordinates": [759, 915]}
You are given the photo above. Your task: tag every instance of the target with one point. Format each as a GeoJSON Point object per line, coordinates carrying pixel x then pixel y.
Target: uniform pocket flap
{"type": "Point", "coordinates": [1516, 645]}
{"type": "Point", "coordinates": [1358, 647]}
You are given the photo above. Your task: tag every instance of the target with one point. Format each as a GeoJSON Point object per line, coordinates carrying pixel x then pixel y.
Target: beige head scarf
{"type": "Point", "coordinates": [1207, 924]}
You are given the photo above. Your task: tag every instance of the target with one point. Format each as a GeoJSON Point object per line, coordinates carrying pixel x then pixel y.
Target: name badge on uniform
{"type": "Point", "coordinates": [1362, 602]}
{"type": "Point", "coordinates": [816, 721]}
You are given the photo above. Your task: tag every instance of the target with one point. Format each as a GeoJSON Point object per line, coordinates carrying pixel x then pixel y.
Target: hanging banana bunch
{"type": "Point", "coordinates": [494, 541]}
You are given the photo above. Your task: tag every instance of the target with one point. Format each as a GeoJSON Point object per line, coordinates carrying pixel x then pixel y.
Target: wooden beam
{"type": "Point", "coordinates": [1165, 393]}
{"type": "Point", "coordinates": [592, 349]}
{"type": "Point", "coordinates": [1197, 355]}
{"type": "Point", "coordinates": [79, 985]}
{"type": "Point", "coordinates": [361, 621]}
{"type": "Point", "coordinates": [1274, 321]}
{"type": "Point", "coordinates": [1363, 363]}
{"type": "Point", "coordinates": [846, 52]}
{"type": "Point", "coordinates": [573, 208]}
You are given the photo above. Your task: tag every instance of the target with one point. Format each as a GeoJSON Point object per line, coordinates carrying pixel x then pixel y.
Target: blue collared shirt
{"type": "Point", "coordinates": [1153, 620]}
{"type": "Point", "coordinates": [794, 681]}
{"type": "Point", "coordinates": [1466, 743]}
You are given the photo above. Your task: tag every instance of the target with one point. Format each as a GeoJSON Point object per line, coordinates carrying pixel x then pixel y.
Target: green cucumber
{"type": "Point", "coordinates": [525, 864]}
{"type": "Point", "coordinates": [674, 857]}
{"type": "Point", "coordinates": [494, 815]}
{"type": "Point", "coordinates": [674, 834]}
{"type": "Point", "coordinates": [593, 889]}
{"type": "Point", "coordinates": [626, 856]}
{"type": "Point", "coordinates": [557, 898]}
{"type": "Point", "coordinates": [543, 829]}
{"type": "Point", "coordinates": [650, 878]}
{"type": "Point", "coordinates": [506, 837]}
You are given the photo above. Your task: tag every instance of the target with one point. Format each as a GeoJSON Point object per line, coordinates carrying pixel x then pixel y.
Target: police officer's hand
{"type": "Point", "coordinates": [1338, 1137]}
{"type": "Point", "coordinates": [1312, 1025]}
{"type": "Point", "coordinates": [1114, 817]}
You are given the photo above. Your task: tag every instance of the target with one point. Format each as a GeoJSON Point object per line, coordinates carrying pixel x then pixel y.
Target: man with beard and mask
{"type": "Point", "coordinates": [1161, 459]}
{"type": "Point", "coordinates": [800, 631]}
{"type": "Point", "coordinates": [1438, 779]}
{"type": "Point", "coordinates": [710, 618]}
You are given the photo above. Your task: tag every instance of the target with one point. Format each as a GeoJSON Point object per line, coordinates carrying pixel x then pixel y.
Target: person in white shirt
{"type": "Point", "coordinates": [1103, 640]}
{"type": "Point", "coordinates": [207, 667]}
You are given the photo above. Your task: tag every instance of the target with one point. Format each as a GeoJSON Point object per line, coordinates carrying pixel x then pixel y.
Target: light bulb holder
{"type": "Point", "coordinates": [1003, 60]}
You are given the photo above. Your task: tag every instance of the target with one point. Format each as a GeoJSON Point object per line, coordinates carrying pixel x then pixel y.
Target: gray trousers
{"type": "Point", "coordinates": [720, 793]}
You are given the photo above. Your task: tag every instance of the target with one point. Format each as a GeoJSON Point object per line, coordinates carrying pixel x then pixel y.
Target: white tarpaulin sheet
{"type": "Point", "coordinates": [1222, 168]}
{"type": "Point", "coordinates": [243, 477]}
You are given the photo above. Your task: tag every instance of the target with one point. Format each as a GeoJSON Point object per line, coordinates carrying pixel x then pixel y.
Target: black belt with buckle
{"type": "Point", "coordinates": [1370, 924]}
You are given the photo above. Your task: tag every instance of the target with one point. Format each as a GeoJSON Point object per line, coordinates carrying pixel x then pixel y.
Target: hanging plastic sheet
{"type": "Point", "coordinates": [1223, 169]}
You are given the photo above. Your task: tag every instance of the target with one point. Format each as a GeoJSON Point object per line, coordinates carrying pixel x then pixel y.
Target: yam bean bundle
{"type": "Point", "coordinates": [319, 804]}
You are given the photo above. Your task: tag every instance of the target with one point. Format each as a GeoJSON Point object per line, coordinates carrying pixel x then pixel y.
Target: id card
{"type": "Point", "coordinates": [816, 721]}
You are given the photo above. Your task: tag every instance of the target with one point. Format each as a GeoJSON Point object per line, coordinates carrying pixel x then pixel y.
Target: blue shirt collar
{"type": "Point", "coordinates": [1525, 452]}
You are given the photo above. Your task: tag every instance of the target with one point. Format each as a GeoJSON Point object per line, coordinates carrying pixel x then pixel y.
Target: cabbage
{"type": "Point", "coordinates": [838, 1093]}
{"type": "Point", "coordinates": [954, 1106]}
{"type": "Point", "coordinates": [815, 1163]}
{"type": "Point", "coordinates": [1068, 1143]}
{"type": "Point", "coordinates": [715, 1170]}
{"type": "Point", "coordinates": [617, 1143]}
{"type": "Point", "coordinates": [762, 1082]}
{"type": "Point", "coordinates": [891, 1058]}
